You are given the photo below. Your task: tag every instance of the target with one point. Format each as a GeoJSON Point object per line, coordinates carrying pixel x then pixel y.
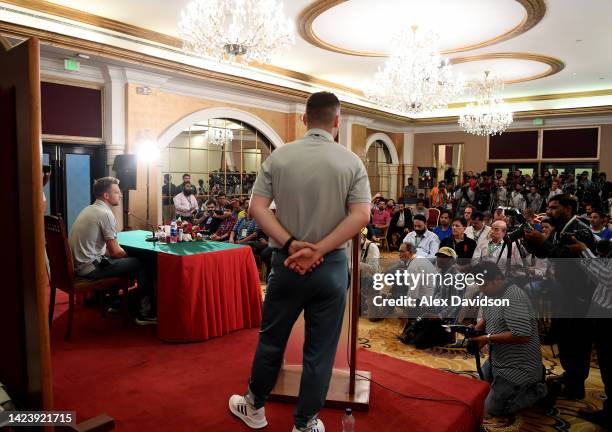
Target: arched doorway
{"type": "Point", "coordinates": [382, 164]}
{"type": "Point", "coordinates": [222, 150]}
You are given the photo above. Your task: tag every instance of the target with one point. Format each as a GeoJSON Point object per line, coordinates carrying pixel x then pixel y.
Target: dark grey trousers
{"type": "Point", "coordinates": [321, 294]}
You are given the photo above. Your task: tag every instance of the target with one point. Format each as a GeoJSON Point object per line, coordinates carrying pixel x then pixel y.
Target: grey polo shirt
{"type": "Point", "coordinates": [312, 181]}
{"type": "Point", "coordinates": [92, 228]}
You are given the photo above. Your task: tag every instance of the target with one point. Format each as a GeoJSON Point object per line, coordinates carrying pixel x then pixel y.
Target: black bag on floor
{"type": "Point", "coordinates": [425, 333]}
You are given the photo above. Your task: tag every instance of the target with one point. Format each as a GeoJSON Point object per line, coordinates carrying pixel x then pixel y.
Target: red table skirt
{"type": "Point", "coordinates": [206, 295]}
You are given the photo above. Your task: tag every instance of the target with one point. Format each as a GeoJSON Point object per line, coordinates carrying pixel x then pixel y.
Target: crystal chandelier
{"type": "Point", "coordinates": [414, 78]}
{"type": "Point", "coordinates": [240, 31]}
{"type": "Point", "coordinates": [219, 136]}
{"type": "Point", "coordinates": [489, 115]}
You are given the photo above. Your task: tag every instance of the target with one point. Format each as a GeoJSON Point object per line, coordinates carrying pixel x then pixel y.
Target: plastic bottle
{"type": "Point", "coordinates": [173, 232]}
{"type": "Point", "coordinates": [348, 421]}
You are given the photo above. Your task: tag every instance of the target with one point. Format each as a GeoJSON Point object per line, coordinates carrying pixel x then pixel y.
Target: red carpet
{"type": "Point", "coordinates": [147, 385]}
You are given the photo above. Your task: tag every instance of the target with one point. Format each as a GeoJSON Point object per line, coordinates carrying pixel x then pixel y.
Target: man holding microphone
{"type": "Point", "coordinates": [309, 262]}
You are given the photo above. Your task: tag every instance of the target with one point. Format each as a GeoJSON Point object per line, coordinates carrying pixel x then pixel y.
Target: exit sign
{"type": "Point", "coordinates": [538, 121]}
{"type": "Point", "coordinates": [72, 65]}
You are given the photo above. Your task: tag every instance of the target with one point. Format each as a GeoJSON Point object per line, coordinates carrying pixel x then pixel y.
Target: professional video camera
{"type": "Point", "coordinates": [472, 347]}
{"type": "Point", "coordinates": [582, 235]}
{"type": "Point", "coordinates": [518, 223]}
{"type": "Point", "coordinates": [468, 332]}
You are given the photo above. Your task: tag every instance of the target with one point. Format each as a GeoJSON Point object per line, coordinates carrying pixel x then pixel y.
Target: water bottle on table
{"type": "Point", "coordinates": [348, 421]}
{"type": "Point", "coordinates": [173, 232]}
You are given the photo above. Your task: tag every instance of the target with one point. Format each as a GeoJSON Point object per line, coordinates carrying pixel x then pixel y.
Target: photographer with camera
{"type": "Point", "coordinates": [572, 297]}
{"type": "Point", "coordinates": [514, 367]}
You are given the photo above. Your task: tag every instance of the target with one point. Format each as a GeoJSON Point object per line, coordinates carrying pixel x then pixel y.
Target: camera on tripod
{"type": "Point", "coordinates": [518, 224]}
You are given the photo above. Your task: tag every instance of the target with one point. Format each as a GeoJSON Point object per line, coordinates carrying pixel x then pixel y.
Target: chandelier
{"type": "Point", "coordinates": [219, 136]}
{"type": "Point", "coordinates": [414, 79]}
{"type": "Point", "coordinates": [240, 31]}
{"type": "Point", "coordinates": [489, 115]}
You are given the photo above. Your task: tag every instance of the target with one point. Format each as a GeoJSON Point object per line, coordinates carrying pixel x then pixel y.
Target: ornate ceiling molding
{"type": "Point", "coordinates": [534, 9]}
{"type": "Point", "coordinates": [555, 65]}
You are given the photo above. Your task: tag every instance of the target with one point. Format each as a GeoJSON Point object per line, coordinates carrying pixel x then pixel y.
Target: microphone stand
{"type": "Point", "coordinates": [153, 237]}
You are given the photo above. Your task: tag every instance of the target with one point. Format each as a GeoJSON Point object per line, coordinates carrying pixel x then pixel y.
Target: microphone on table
{"type": "Point", "coordinates": [153, 237]}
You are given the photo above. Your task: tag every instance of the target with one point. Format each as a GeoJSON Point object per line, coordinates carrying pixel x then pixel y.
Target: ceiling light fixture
{"type": "Point", "coordinates": [414, 78]}
{"type": "Point", "coordinates": [240, 31]}
{"type": "Point", "coordinates": [219, 136]}
{"type": "Point", "coordinates": [489, 115]}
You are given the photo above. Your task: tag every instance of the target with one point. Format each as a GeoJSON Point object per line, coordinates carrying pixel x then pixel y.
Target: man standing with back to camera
{"type": "Point", "coordinates": [309, 262]}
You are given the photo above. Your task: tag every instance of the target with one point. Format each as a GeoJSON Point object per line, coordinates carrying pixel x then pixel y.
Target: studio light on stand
{"type": "Point", "coordinates": [148, 152]}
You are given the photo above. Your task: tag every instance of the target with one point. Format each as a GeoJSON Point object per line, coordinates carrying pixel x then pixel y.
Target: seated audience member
{"type": "Point", "coordinates": [458, 241]}
{"type": "Point", "coordinates": [96, 252]}
{"type": "Point", "coordinates": [237, 208]}
{"type": "Point", "coordinates": [245, 231]}
{"type": "Point", "coordinates": [210, 220]}
{"type": "Point", "coordinates": [411, 262]}
{"type": "Point", "coordinates": [245, 209]}
{"type": "Point", "coordinates": [425, 241]}
{"type": "Point", "coordinates": [444, 230]}
{"type": "Point", "coordinates": [222, 200]}
{"type": "Point", "coordinates": [390, 207]}
{"type": "Point", "coordinates": [598, 227]}
{"type": "Point", "coordinates": [380, 218]}
{"type": "Point", "coordinates": [490, 250]}
{"type": "Point", "coordinates": [370, 253]}
{"type": "Point", "coordinates": [588, 209]}
{"type": "Point", "coordinates": [446, 259]}
{"type": "Point", "coordinates": [424, 198]}
{"type": "Point", "coordinates": [226, 226]}
{"type": "Point", "coordinates": [547, 227]}
{"type": "Point", "coordinates": [478, 231]}
{"type": "Point", "coordinates": [514, 367]}
{"type": "Point", "coordinates": [185, 203]}
{"type": "Point", "coordinates": [420, 208]}
{"type": "Point", "coordinates": [260, 243]}
{"type": "Point", "coordinates": [401, 224]}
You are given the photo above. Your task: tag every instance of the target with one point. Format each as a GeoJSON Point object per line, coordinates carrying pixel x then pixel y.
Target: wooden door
{"type": "Point", "coordinates": [25, 360]}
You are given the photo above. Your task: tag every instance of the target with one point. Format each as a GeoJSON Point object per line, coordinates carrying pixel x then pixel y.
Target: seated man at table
{"type": "Point", "coordinates": [96, 252]}
{"type": "Point", "coordinates": [226, 226]}
{"type": "Point", "coordinates": [244, 231]}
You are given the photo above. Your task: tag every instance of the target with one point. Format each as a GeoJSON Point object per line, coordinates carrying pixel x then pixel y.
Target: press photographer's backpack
{"type": "Point", "coordinates": [425, 333]}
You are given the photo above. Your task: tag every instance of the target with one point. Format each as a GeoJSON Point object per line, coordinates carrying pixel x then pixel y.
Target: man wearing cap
{"type": "Point", "coordinates": [410, 262]}
{"type": "Point", "coordinates": [446, 259]}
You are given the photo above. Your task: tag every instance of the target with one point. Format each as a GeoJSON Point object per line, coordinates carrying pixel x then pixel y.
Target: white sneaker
{"type": "Point", "coordinates": [254, 418]}
{"type": "Point", "coordinates": [314, 425]}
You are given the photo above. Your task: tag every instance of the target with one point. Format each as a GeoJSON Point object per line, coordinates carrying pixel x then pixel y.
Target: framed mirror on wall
{"type": "Point", "coordinates": [448, 161]}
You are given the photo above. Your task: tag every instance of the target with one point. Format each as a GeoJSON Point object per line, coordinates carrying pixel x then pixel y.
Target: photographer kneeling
{"type": "Point", "coordinates": [514, 367]}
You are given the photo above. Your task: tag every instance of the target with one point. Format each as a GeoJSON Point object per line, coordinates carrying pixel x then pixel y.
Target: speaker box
{"type": "Point", "coordinates": [125, 169]}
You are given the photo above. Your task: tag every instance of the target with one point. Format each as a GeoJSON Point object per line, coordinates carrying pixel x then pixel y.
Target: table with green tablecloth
{"type": "Point", "coordinates": [204, 289]}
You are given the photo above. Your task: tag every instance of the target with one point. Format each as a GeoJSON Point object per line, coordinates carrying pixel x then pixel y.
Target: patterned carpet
{"type": "Point", "coordinates": [381, 337]}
